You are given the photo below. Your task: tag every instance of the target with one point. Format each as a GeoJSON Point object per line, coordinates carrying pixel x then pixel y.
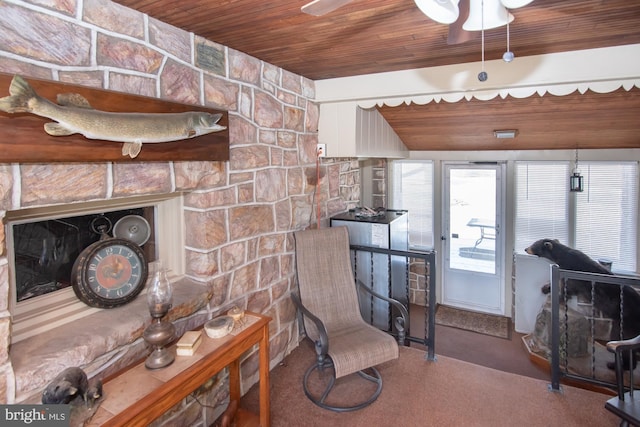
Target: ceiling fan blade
{"type": "Point", "coordinates": [322, 7]}
{"type": "Point", "coordinates": [456, 34]}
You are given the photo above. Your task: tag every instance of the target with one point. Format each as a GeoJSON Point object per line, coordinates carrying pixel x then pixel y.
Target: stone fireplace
{"type": "Point", "coordinates": [44, 243]}
{"type": "Point", "coordinates": [236, 217]}
{"type": "Point", "coordinates": [254, 271]}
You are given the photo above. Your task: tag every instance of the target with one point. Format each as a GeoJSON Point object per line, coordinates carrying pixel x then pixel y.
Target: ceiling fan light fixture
{"type": "Point", "coordinates": [495, 15]}
{"type": "Point", "coordinates": [514, 4]}
{"type": "Point", "coordinates": [505, 133]}
{"type": "Point", "coordinates": [441, 11]}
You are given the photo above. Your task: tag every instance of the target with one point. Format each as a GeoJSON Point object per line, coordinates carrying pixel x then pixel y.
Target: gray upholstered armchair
{"type": "Point", "coordinates": [328, 301]}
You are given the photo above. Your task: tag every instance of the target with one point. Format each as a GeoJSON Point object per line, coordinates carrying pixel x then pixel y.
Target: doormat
{"type": "Point", "coordinates": [488, 324]}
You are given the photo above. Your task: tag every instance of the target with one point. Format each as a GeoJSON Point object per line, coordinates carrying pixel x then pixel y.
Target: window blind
{"type": "Point", "coordinates": [604, 224]}
{"type": "Point", "coordinates": [606, 212]}
{"type": "Point", "coordinates": [542, 210]}
{"type": "Point", "coordinates": [413, 191]}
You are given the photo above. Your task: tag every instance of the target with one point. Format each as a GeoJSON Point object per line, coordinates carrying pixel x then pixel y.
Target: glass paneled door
{"type": "Point", "coordinates": [473, 244]}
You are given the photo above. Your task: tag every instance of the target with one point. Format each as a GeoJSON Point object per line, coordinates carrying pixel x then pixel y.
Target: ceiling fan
{"type": "Point", "coordinates": [462, 16]}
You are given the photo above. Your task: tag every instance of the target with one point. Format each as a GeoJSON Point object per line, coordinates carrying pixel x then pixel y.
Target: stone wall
{"type": "Point", "coordinates": [419, 282]}
{"type": "Point", "coordinates": [247, 206]}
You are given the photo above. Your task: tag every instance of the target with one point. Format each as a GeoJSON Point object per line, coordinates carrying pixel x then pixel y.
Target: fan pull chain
{"type": "Point", "coordinates": [507, 34]}
{"type": "Point", "coordinates": [482, 76]}
{"type": "Point", "coordinates": [483, 48]}
{"type": "Point", "coordinates": [508, 55]}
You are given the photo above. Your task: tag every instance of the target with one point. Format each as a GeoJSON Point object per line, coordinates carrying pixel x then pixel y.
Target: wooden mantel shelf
{"type": "Point", "coordinates": [23, 139]}
{"type": "Point", "coordinates": [138, 396]}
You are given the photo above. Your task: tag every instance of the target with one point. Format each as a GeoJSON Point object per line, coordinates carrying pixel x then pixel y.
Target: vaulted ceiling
{"type": "Point", "coordinates": [372, 36]}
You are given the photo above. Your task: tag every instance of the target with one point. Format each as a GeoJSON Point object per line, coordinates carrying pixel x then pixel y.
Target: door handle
{"type": "Point", "coordinates": [443, 238]}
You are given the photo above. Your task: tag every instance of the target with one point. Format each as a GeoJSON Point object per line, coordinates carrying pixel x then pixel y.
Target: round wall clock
{"type": "Point", "coordinates": [109, 273]}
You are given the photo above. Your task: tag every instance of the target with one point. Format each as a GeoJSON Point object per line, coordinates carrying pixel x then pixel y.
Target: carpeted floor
{"type": "Point", "coordinates": [508, 355]}
{"type": "Point", "coordinates": [497, 326]}
{"type": "Point", "coordinates": [447, 392]}
{"type": "Point", "coordinates": [497, 353]}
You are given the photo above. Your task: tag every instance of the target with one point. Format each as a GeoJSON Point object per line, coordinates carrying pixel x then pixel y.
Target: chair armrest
{"type": "Point", "coordinates": [399, 322]}
{"type": "Point", "coordinates": [624, 345]}
{"type": "Point", "coordinates": [322, 345]}
{"type": "Point", "coordinates": [630, 345]}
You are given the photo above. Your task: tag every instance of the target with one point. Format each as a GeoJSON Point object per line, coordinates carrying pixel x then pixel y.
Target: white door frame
{"type": "Point", "coordinates": [494, 282]}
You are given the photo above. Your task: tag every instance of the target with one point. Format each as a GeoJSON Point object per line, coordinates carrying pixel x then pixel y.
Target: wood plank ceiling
{"type": "Point", "coordinates": [371, 36]}
{"type": "Point", "coordinates": [550, 122]}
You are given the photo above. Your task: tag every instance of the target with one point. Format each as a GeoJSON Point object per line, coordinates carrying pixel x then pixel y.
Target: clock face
{"type": "Point", "coordinates": [109, 273]}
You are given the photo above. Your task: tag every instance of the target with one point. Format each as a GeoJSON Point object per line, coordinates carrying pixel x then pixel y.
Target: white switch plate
{"type": "Point", "coordinates": [321, 150]}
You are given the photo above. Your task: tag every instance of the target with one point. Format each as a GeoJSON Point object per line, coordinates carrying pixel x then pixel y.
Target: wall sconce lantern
{"type": "Point", "coordinates": [576, 181]}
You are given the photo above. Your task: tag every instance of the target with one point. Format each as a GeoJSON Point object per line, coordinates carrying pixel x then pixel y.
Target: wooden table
{"type": "Point", "coordinates": [138, 396]}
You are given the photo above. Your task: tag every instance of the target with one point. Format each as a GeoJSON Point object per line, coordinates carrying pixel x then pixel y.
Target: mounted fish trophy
{"type": "Point", "coordinates": [73, 114]}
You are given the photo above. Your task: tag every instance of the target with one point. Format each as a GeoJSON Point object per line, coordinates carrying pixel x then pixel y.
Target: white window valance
{"type": "Point", "coordinates": [516, 92]}
{"type": "Point", "coordinates": [601, 70]}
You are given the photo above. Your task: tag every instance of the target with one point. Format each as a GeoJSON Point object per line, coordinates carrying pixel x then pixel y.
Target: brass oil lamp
{"type": "Point", "coordinates": [159, 333]}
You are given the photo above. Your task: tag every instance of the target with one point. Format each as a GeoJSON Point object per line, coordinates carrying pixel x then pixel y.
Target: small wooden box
{"type": "Point", "coordinates": [188, 344]}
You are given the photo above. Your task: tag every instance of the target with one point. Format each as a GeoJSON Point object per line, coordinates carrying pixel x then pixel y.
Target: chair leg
{"type": "Point", "coordinates": [321, 401]}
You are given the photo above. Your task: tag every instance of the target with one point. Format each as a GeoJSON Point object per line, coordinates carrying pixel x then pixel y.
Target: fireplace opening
{"type": "Point", "coordinates": [43, 243]}
{"type": "Point", "coordinates": [44, 251]}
